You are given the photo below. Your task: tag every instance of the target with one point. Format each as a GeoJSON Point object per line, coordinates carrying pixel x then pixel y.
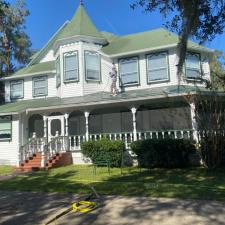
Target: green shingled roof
{"type": "Point", "coordinates": [145, 40]}
{"type": "Point", "coordinates": [80, 24]}
{"type": "Point", "coordinates": [40, 67]}
{"type": "Point", "coordinates": [95, 98]}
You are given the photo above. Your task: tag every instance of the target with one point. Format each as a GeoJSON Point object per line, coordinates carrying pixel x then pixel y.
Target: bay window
{"type": "Point", "coordinates": [16, 89]}
{"type": "Point", "coordinates": [71, 66]}
{"type": "Point", "coordinates": [193, 66]}
{"type": "Point", "coordinates": [5, 128]}
{"type": "Point", "coordinates": [129, 71]}
{"type": "Point", "coordinates": [92, 66]}
{"type": "Point", "coordinates": [157, 67]}
{"type": "Point", "coordinates": [40, 86]}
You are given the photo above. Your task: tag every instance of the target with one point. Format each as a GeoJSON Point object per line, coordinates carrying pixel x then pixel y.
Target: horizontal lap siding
{"type": "Point", "coordinates": [9, 150]}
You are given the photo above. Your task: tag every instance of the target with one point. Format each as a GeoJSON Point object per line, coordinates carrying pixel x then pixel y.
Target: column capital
{"type": "Point", "coordinates": [86, 114]}
{"type": "Point", "coordinates": [66, 115]}
{"type": "Point", "coordinates": [133, 110]}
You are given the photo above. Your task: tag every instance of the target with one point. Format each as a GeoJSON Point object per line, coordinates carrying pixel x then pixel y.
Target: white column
{"type": "Point", "coordinates": [134, 111]}
{"type": "Point", "coordinates": [66, 116]}
{"type": "Point", "coordinates": [45, 126]}
{"type": "Point", "coordinates": [194, 122]}
{"type": "Point", "coordinates": [86, 114]}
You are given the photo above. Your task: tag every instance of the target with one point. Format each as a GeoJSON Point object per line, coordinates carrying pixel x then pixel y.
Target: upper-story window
{"type": "Point", "coordinates": [5, 128]}
{"type": "Point", "coordinates": [193, 66]}
{"type": "Point", "coordinates": [71, 68]}
{"type": "Point", "coordinates": [129, 71]}
{"type": "Point", "coordinates": [40, 86]}
{"type": "Point", "coordinates": [92, 66]}
{"type": "Point", "coordinates": [58, 78]}
{"type": "Point", "coordinates": [16, 89]}
{"type": "Point", "coordinates": [157, 67]}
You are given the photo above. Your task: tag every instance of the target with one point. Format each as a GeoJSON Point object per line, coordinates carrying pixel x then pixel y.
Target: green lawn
{"type": "Point", "coordinates": [4, 170]}
{"type": "Point", "coordinates": [196, 183]}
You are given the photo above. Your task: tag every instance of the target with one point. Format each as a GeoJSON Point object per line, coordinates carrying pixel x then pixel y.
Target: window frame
{"type": "Point", "coordinates": [85, 66]}
{"type": "Point", "coordinates": [138, 71]}
{"type": "Point", "coordinates": [14, 81]}
{"type": "Point", "coordinates": [168, 68]}
{"type": "Point", "coordinates": [64, 66]}
{"type": "Point", "coordinates": [33, 88]}
{"type": "Point", "coordinates": [58, 75]}
{"type": "Point", "coordinates": [11, 133]}
{"type": "Point", "coordinates": [200, 67]}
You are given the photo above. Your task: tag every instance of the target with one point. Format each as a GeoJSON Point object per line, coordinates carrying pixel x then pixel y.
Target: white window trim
{"type": "Point", "coordinates": [17, 81]}
{"type": "Point", "coordinates": [64, 66]}
{"type": "Point", "coordinates": [194, 69]}
{"type": "Point", "coordinates": [99, 58]}
{"type": "Point", "coordinates": [124, 74]}
{"type": "Point", "coordinates": [46, 86]}
{"type": "Point", "coordinates": [159, 68]}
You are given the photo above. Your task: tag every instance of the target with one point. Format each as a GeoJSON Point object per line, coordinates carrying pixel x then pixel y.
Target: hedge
{"type": "Point", "coordinates": [104, 149]}
{"type": "Point", "coordinates": [163, 153]}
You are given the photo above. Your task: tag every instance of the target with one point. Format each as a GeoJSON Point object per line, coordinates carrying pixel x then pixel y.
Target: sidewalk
{"type": "Point", "coordinates": [34, 208]}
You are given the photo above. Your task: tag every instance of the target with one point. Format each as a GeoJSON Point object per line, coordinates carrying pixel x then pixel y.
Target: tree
{"type": "Point", "coordinates": [201, 19]}
{"type": "Point", "coordinates": [14, 42]}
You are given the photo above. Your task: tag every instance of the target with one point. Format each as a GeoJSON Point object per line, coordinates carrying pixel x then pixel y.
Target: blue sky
{"type": "Point", "coordinates": [116, 16]}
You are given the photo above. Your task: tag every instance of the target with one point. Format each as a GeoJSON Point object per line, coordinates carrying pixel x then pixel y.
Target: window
{"type": "Point", "coordinates": [58, 78]}
{"type": "Point", "coordinates": [71, 66]}
{"type": "Point", "coordinates": [92, 66]}
{"type": "Point", "coordinates": [40, 86]}
{"type": "Point", "coordinates": [157, 67]}
{"type": "Point", "coordinates": [5, 128]}
{"type": "Point", "coordinates": [16, 89]}
{"type": "Point", "coordinates": [129, 71]}
{"type": "Point", "coordinates": [193, 66]}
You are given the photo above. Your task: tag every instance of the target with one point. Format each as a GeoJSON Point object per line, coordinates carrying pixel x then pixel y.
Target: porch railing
{"type": "Point", "coordinates": [128, 137]}
{"type": "Point", "coordinates": [33, 146]}
{"type": "Point", "coordinates": [56, 145]}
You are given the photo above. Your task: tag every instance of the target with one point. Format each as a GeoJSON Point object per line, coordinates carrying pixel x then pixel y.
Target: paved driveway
{"type": "Point", "coordinates": [22, 208]}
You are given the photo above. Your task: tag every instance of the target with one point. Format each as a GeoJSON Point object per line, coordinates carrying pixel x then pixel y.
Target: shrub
{"type": "Point", "coordinates": [104, 149]}
{"type": "Point", "coordinates": [163, 153]}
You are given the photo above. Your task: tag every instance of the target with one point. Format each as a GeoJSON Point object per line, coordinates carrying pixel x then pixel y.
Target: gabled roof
{"type": "Point", "coordinates": [97, 98]}
{"type": "Point", "coordinates": [145, 40]}
{"type": "Point", "coordinates": [81, 24]}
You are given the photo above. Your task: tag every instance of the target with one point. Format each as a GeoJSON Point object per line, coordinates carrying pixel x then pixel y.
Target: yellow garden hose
{"type": "Point", "coordinates": [84, 206]}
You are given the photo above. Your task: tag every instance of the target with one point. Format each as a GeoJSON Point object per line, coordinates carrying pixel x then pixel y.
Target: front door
{"type": "Point", "coordinates": [56, 127]}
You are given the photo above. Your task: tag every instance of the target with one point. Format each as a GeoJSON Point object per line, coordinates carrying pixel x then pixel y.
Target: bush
{"type": "Point", "coordinates": [103, 150]}
{"type": "Point", "coordinates": [163, 153]}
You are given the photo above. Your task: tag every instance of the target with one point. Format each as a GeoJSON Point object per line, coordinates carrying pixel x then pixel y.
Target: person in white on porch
{"type": "Point", "coordinates": [113, 76]}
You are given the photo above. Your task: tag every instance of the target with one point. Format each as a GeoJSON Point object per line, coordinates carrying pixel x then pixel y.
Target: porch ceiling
{"type": "Point", "coordinates": [100, 98]}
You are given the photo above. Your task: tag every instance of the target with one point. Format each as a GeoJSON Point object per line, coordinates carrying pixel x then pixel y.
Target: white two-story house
{"type": "Point", "coordinates": [63, 95]}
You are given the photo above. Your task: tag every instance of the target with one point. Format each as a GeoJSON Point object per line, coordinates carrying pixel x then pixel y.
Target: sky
{"type": "Point", "coordinates": [116, 16]}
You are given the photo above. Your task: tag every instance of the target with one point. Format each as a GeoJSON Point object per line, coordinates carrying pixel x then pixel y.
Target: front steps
{"type": "Point", "coordinates": [34, 162]}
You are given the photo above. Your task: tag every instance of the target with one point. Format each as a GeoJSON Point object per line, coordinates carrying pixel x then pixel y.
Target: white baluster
{"type": "Point", "coordinates": [79, 142]}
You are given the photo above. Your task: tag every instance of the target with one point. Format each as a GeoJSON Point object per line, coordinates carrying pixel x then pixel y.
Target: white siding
{"type": "Point", "coordinates": [9, 151]}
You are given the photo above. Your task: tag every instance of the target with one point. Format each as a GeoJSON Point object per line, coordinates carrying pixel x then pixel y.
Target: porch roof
{"type": "Point", "coordinates": [94, 99]}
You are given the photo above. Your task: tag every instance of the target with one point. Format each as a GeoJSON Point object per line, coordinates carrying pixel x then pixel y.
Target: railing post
{"type": "Point", "coordinates": [86, 114]}
{"type": "Point", "coordinates": [134, 111]}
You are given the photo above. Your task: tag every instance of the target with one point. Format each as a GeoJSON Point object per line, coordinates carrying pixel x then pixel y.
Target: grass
{"type": "Point", "coordinates": [192, 183]}
{"type": "Point", "coordinates": [5, 170]}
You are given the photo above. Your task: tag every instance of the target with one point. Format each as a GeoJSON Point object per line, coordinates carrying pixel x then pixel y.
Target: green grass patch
{"type": "Point", "coordinates": [191, 183]}
{"type": "Point", "coordinates": [5, 170]}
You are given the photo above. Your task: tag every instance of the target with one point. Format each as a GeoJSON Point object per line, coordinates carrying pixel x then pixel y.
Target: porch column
{"type": "Point", "coordinates": [134, 111]}
{"type": "Point", "coordinates": [66, 124]}
{"type": "Point", "coordinates": [86, 114]}
{"type": "Point", "coordinates": [194, 122]}
{"type": "Point", "coordinates": [45, 126]}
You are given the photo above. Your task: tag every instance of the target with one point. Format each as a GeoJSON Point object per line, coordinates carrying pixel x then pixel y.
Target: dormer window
{"type": "Point", "coordinates": [71, 68]}
{"type": "Point", "coordinates": [157, 67]}
{"type": "Point", "coordinates": [129, 71]}
{"type": "Point", "coordinates": [92, 66]}
{"type": "Point", "coordinates": [58, 78]}
{"type": "Point", "coordinates": [193, 66]}
{"type": "Point", "coordinates": [16, 89]}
